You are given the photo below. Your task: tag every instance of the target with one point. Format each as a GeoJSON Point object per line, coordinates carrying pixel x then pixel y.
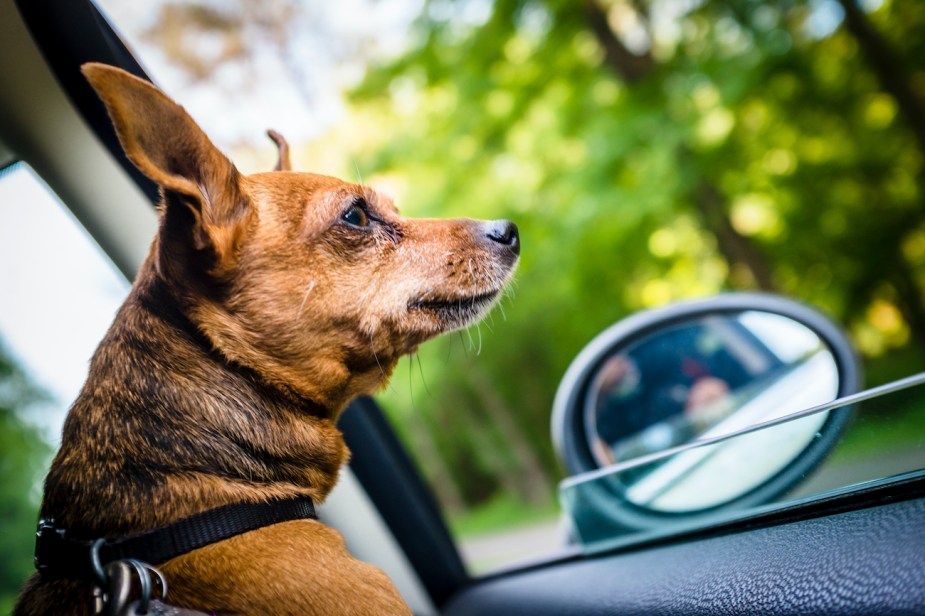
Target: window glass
{"type": "Point", "coordinates": [60, 292]}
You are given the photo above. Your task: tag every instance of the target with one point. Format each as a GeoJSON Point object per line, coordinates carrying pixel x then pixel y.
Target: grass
{"type": "Point", "coordinates": [893, 423]}
{"type": "Point", "coordinates": [504, 512]}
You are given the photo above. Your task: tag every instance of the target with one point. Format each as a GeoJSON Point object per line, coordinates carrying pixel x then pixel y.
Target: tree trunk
{"type": "Point", "coordinates": [629, 66]}
{"type": "Point", "coordinates": [736, 248]}
{"type": "Point", "coordinates": [532, 481]}
{"type": "Point", "coordinates": [442, 480]}
{"type": "Point", "coordinates": [887, 68]}
{"type": "Point", "coordinates": [909, 296]}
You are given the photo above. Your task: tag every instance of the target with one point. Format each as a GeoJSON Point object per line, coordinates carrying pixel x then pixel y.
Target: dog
{"type": "Point", "coordinates": [266, 303]}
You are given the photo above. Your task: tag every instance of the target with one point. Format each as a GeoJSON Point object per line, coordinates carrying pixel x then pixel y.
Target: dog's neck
{"type": "Point", "coordinates": [165, 427]}
{"type": "Point", "coordinates": [156, 301]}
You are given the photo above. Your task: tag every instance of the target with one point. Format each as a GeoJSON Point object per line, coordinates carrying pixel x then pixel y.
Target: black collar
{"type": "Point", "coordinates": [58, 555]}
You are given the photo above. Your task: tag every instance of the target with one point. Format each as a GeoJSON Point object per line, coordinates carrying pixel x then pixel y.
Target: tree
{"type": "Point", "coordinates": [25, 457]}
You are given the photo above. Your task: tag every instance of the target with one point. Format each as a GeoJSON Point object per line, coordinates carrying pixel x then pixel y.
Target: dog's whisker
{"type": "Point", "coordinates": [376, 356]}
{"type": "Point", "coordinates": [414, 408]}
{"type": "Point", "coordinates": [449, 349]}
{"type": "Point", "coordinates": [372, 346]}
{"type": "Point", "coordinates": [308, 290]}
{"type": "Point", "coordinates": [462, 341]}
{"type": "Point", "coordinates": [421, 370]}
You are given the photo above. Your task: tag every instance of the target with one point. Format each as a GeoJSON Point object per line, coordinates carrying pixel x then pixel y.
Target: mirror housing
{"type": "Point", "coordinates": [699, 369]}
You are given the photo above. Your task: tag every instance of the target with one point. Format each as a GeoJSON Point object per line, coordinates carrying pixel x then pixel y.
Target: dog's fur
{"type": "Point", "coordinates": [264, 306]}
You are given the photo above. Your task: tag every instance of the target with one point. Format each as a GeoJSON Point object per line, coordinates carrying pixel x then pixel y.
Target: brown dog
{"type": "Point", "coordinates": [267, 302]}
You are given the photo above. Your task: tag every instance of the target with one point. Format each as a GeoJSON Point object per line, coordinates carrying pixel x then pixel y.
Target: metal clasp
{"type": "Point", "coordinates": [46, 534]}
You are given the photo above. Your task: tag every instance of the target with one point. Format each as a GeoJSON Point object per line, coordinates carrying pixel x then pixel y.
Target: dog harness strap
{"type": "Point", "coordinates": [59, 556]}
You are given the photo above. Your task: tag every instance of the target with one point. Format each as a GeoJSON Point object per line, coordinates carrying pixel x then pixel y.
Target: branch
{"type": "Point", "coordinates": [886, 67]}
{"type": "Point", "coordinates": [629, 66]}
{"type": "Point", "coordinates": [735, 247]}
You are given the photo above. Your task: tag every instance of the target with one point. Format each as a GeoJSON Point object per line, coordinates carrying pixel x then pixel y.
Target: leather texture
{"type": "Point", "coordinates": [869, 561]}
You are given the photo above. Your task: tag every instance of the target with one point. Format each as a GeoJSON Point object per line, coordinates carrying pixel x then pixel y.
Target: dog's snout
{"type": "Point", "coordinates": [504, 232]}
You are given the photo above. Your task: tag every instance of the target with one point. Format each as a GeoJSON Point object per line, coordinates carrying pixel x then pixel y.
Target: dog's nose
{"type": "Point", "coordinates": [505, 233]}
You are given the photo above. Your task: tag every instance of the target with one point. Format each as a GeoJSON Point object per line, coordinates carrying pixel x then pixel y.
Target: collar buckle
{"type": "Point", "coordinates": [48, 539]}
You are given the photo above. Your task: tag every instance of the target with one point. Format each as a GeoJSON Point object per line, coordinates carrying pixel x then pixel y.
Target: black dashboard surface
{"type": "Point", "coordinates": [866, 561]}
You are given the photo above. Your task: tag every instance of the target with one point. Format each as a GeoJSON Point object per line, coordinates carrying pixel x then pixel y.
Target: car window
{"type": "Point", "coordinates": [60, 292]}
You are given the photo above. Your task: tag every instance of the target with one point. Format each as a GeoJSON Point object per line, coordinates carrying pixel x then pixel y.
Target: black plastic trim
{"type": "Point", "coordinates": [70, 34]}
{"type": "Point", "coordinates": [862, 557]}
{"type": "Point", "coordinates": [404, 501]}
{"type": "Point", "coordinates": [850, 499]}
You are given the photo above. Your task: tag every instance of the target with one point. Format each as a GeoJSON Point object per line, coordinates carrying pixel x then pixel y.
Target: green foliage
{"type": "Point", "coordinates": [758, 151]}
{"type": "Point", "coordinates": [502, 512]}
{"type": "Point", "coordinates": [25, 457]}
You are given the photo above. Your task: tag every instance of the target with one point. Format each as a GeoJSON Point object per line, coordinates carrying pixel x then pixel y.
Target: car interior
{"type": "Point", "coordinates": [857, 548]}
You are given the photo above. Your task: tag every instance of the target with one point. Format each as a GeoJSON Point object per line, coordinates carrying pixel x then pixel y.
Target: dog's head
{"type": "Point", "coordinates": [315, 283]}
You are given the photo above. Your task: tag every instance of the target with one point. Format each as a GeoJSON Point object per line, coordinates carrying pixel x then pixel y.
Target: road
{"type": "Point", "coordinates": [484, 553]}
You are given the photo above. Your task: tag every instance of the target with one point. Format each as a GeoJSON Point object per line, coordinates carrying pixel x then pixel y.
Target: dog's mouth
{"type": "Point", "coordinates": [455, 310]}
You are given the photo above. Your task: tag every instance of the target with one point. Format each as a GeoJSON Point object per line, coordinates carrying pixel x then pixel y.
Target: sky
{"type": "Point", "coordinates": [60, 292]}
{"type": "Point", "coordinates": [331, 46]}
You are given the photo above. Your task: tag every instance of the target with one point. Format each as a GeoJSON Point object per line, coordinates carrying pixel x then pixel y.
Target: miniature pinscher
{"type": "Point", "coordinates": [266, 303]}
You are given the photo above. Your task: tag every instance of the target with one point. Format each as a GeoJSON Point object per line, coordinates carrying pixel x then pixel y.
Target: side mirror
{"type": "Point", "coordinates": [699, 370]}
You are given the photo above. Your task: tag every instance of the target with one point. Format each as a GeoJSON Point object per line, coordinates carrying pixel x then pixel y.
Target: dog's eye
{"type": "Point", "coordinates": [356, 216]}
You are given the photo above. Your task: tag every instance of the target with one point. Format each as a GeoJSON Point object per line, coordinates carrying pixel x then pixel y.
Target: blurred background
{"type": "Point", "coordinates": [648, 151]}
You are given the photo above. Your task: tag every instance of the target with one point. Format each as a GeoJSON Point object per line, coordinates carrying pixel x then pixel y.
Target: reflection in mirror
{"type": "Point", "coordinates": [704, 378]}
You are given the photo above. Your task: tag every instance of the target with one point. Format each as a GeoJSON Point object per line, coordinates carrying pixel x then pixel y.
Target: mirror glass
{"type": "Point", "coordinates": [705, 378]}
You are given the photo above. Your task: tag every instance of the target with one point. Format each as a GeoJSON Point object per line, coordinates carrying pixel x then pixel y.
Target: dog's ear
{"type": "Point", "coordinates": [283, 164]}
{"type": "Point", "coordinates": [164, 142]}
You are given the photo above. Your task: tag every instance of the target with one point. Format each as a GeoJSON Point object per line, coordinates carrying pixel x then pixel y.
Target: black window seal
{"type": "Point", "coordinates": [69, 34]}
{"type": "Point", "coordinates": [896, 490]}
